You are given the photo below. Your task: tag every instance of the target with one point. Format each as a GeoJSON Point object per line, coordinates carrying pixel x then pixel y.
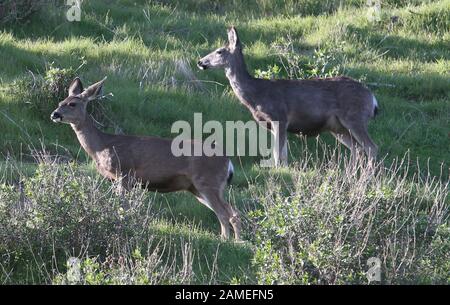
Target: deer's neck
{"type": "Point", "coordinates": [90, 137]}
{"type": "Point", "coordinates": [240, 80]}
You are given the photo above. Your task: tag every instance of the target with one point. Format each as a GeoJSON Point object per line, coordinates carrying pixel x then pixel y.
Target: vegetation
{"type": "Point", "coordinates": [326, 225]}
{"type": "Point", "coordinates": [313, 222]}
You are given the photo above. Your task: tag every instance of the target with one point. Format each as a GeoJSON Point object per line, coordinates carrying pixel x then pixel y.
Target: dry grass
{"type": "Point", "coordinates": [323, 223]}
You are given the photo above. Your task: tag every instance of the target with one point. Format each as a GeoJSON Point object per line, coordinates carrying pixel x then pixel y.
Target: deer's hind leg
{"type": "Point", "coordinates": [226, 214]}
{"type": "Point", "coordinates": [348, 141]}
{"type": "Point", "coordinates": [370, 148]}
{"type": "Point", "coordinates": [358, 131]}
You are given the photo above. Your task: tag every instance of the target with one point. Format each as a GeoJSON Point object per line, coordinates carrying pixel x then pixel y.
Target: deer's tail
{"type": "Point", "coordinates": [230, 172]}
{"type": "Point", "coordinates": [375, 106]}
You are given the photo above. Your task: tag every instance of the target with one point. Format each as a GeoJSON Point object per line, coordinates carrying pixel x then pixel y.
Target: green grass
{"type": "Point", "coordinates": [137, 43]}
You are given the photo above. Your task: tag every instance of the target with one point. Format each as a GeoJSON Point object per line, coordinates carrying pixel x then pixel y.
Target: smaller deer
{"type": "Point", "coordinates": [149, 160]}
{"type": "Point", "coordinates": [339, 105]}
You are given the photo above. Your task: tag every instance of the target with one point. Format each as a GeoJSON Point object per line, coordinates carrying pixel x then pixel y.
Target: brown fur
{"type": "Point", "coordinates": [339, 105]}
{"type": "Point", "coordinates": [148, 160]}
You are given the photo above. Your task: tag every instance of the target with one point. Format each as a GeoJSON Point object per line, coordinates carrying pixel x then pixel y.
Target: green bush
{"type": "Point", "coordinates": [63, 212]}
{"type": "Point", "coordinates": [326, 61]}
{"type": "Point", "coordinates": [271, 72]}
{"type": "Point", "coordinates": [325, 227]}
{"type": "Point", "coordinates": [134, 269]}
{"type": "Point", "coordinates": [19, 10]}
{"type": "Point", "coordinates": [42, 92]}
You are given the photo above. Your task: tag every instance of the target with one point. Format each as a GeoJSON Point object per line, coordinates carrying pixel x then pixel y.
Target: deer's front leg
{"type": "Point", "coordinates": [280, 148]}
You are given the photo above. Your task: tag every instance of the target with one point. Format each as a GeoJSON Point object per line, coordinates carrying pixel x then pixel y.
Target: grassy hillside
{"type": "Point", "coordinates": [148, 50]}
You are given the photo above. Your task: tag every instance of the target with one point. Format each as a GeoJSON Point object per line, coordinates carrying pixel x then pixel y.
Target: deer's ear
{"type": "Point", "coordinates": [93, 91]}
{"type": "Point", "coordinates": [76, 87]}
{"type": "Point", "coordinates": [233, 38]}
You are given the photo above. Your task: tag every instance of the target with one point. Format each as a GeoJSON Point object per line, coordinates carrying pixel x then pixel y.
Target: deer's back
{"type": "Point", "coordinates": [308, 105]}
{"type": "Point", "coordinates": [150, 159]}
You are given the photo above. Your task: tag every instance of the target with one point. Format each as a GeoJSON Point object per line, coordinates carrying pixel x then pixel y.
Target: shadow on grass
{"type": "Point", "coordinates": [419, 86]}
{"type": "Point", "coordinates": [399, 47]}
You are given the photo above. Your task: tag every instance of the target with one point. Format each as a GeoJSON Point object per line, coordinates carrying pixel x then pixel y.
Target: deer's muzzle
{"type": "Point", "coordinates": [56, 117]}
{"type": "Point", "coordinates": [201, 65]}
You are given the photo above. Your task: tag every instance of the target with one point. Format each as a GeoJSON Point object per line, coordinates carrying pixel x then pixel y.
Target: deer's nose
{"type": "Point", "coordinates": [201, 65]}
{"type": "Point", "coordinates": [55, 116]}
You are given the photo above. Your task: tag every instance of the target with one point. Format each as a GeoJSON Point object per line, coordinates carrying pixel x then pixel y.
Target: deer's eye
{"type": "Point", "coordinates": [72, 104]}
{"type": "Point", "coordinates": [219, 52]}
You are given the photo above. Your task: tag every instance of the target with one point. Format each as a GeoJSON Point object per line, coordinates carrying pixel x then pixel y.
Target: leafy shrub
{"type": "Point", "coordinates": [135, 269]}
{"type": "Point", "coordinates": [64, 212]}
{"type": "Point", "coordinates": [42, 92]}
{"type": "Point", "coordinates": [322, 65]}
{"type": "Point", "coordinates": [19, 10]}
{"type": "Point", "coordinates": [271, 72]}
{"type": "Point", "coordinates": [325, 227]}
{"type": "Point", "coordinates": [326, 61]}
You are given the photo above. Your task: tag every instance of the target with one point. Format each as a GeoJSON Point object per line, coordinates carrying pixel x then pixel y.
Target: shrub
{"type": "Point", "coordinates": [42, 92]}
{"type": "Point", "coordinates": [19, 10]}
{"type": "Point", "coordinates": [131, 269]}
{"type": "Point", "coordinates": [325, 226]}
{"type": "Point", "coordinates": [326, 61]}
{"type": "Point", "coordinates": [271, 72]}
{"type": "Point", "coordinates": [63, 212]}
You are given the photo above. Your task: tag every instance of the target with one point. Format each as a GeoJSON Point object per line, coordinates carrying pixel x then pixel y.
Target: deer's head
{"type": "Point", "coordinates": [222, 57]}
{"type": "Point", "coordinates": [72, 110]}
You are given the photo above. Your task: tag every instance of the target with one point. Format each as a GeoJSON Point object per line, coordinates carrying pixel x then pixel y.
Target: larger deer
{"type": "Point", "coordinates": [149, 160]}
{"type": "Point", "coordinates": [339, 105]}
